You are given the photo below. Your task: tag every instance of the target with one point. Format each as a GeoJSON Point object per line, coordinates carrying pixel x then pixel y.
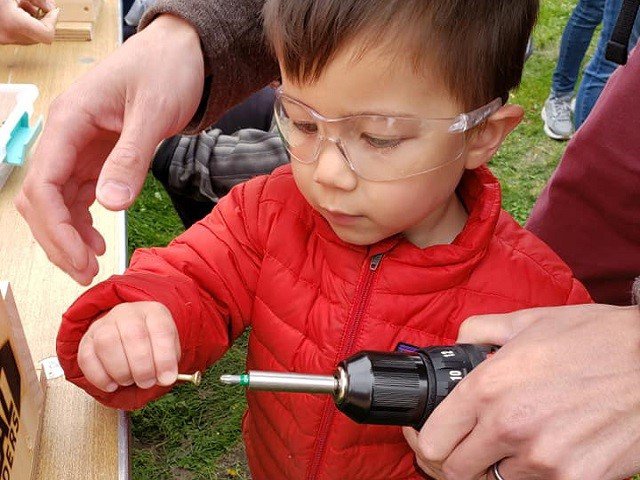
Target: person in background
{"type": "Point", "coordinates": [27, 22]}
{"type": "Point", "coordinates": [577, 35]}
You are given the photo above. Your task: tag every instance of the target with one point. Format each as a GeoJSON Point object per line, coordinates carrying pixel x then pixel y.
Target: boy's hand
{"type": "Point", "coordinates": [133, 343]}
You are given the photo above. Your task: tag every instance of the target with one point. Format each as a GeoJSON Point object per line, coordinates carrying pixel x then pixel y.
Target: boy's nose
{"type": "Point", "coordinates": [332, 167]}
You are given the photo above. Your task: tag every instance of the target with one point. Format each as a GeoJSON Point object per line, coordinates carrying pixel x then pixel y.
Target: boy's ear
{"type": "Point", "coordinates": [483, 143]}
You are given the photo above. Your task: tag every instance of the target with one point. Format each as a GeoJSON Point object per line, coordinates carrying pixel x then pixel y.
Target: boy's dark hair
{"type": "Point", "coordinates": [477, 46]}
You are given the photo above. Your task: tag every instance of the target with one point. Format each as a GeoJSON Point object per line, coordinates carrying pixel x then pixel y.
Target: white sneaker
{"type": "Point", "coordinates": [556, 115]}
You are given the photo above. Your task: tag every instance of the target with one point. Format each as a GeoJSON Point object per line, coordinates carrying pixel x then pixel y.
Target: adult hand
{"type": "Point", "coordinates": [561, 399]}
{"type": "Point", "coordinates": [19, 25]}
{"type": "Point", "coordinates": [103, 132]}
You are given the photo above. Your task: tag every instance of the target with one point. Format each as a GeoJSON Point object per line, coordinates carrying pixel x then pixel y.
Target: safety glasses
{"type": "Point", "coordinates": [377, 147]}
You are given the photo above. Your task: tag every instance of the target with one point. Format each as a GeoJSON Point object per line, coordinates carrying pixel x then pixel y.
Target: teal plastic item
{"type": "Point", "coordinates": [21, 140]}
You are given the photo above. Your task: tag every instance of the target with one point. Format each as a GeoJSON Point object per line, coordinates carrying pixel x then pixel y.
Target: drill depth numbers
{"type": "Point", "coordinates": [454, 375]}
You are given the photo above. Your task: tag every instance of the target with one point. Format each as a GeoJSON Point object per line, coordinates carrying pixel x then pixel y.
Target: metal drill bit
{"type": "Point", "coordinates": [283, 382]}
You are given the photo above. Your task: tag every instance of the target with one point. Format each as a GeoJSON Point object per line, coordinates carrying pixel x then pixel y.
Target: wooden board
{"type": "Point", "coordinates": [7, 103]}
{"type": "Point", "coordinates": [21, 395]}
{"type": "Point", "coordinates": [74, 31]}
{"type": "Point", "coordinates": [80, 438]}
{"type": "Point", "coordinates": [78, 10]}
{"type": "Point", "coordinates": [5, 171]}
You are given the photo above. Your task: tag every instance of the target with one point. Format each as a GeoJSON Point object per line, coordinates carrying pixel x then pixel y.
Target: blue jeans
{"type": "Point", "coordinates": [577, 35]}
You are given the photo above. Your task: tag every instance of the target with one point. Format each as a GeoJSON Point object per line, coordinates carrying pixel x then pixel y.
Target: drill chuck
{"type": "Point", "coordinates": [404, 388]}
{"type": "Point", "coordinates": [387, 388]}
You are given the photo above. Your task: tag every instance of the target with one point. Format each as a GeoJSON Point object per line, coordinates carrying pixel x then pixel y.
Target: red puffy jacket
{"type": "Point", "coordinates": [265, 259]}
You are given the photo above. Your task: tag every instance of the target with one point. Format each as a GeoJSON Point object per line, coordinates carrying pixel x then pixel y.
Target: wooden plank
{"type": "Point", "coordinates": [7, 102]}
{"type": "Point", "coordinates": [95, 427]}
{"type": "Point", "coordinates": [79, 436]}
{"type": "Point", "coordinates": [5, 171]}
{"type": "Point", "coordinates": [22, 396]}
{"type": "Point", "coordinates": [74, 31]}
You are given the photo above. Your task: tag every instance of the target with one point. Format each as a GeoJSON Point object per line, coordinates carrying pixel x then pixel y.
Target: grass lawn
{"type": "Point", "coordinates": [194, 433]}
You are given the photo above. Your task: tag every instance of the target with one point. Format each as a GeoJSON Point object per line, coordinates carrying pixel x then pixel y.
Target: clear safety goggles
{"type": "Point", "coordinates": [377, 147]}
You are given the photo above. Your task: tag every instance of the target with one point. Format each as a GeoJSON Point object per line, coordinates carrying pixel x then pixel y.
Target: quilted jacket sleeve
{"type": "Point", "coordinates": [205, 277]}
{"type": "Point", "coordinates": [578, 295]}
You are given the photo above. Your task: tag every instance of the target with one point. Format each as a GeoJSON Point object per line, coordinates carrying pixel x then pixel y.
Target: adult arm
{"type": "Point", "coordinates": [589, 213]}
{"type": "Point", "coordinates": [236, 58]}
{"type": "Point", "coordinates": [101, 133]}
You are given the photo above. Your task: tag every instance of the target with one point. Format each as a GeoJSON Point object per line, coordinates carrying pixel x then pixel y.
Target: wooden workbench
{"type": "Point", "coordinates": [80, 438]}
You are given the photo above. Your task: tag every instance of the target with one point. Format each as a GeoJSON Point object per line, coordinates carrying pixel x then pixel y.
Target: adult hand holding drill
{"type": "Point", "coordinates": [558, 401]}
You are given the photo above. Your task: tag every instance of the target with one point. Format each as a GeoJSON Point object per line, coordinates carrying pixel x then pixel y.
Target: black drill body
{"type": "Point", "coordinates": [405, 387]}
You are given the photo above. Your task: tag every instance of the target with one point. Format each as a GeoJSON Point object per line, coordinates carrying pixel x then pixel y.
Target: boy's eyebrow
{"type": "Point", "coordinates": [384, 113]}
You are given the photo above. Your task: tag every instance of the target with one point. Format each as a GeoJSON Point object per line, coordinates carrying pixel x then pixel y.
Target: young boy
{"type": "Point", "coordinates": [386, 227]}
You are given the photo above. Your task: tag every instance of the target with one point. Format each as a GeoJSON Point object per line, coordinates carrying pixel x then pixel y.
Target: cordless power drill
{"type": "Point", "coordinates": [387, 388]}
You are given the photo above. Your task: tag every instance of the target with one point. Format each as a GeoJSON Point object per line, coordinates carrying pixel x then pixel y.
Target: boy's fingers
{"type": "Point", "coordinates": [137, 349]}
{"type": "Point", "coordinates": [498, 329]}
{"type": "Point", "coordinates": [110, 352]}
{"type": "Point", "coordinates": [486, 329]}
{"type": "Point", "coordinates": [165, 345]}
{"type": "Point", "coordinates": [91, 366]}
{"type": "Point", "coordinates": [477, 453]}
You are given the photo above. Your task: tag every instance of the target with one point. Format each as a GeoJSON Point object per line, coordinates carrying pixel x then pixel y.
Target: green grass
{"type": "Point", "coordinates": [528, 157]}
{"type": "Point", "coordinates": [193, 434]}
{"type": "Point", "coordinates": [185, 434]}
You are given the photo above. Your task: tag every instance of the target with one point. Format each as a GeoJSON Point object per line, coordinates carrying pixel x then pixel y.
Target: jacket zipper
{"type": "Point", "coordinates": [363, 293]}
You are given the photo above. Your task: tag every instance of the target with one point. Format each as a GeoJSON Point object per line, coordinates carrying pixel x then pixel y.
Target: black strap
{"type": "Point", "coordinates": [617, 48]}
